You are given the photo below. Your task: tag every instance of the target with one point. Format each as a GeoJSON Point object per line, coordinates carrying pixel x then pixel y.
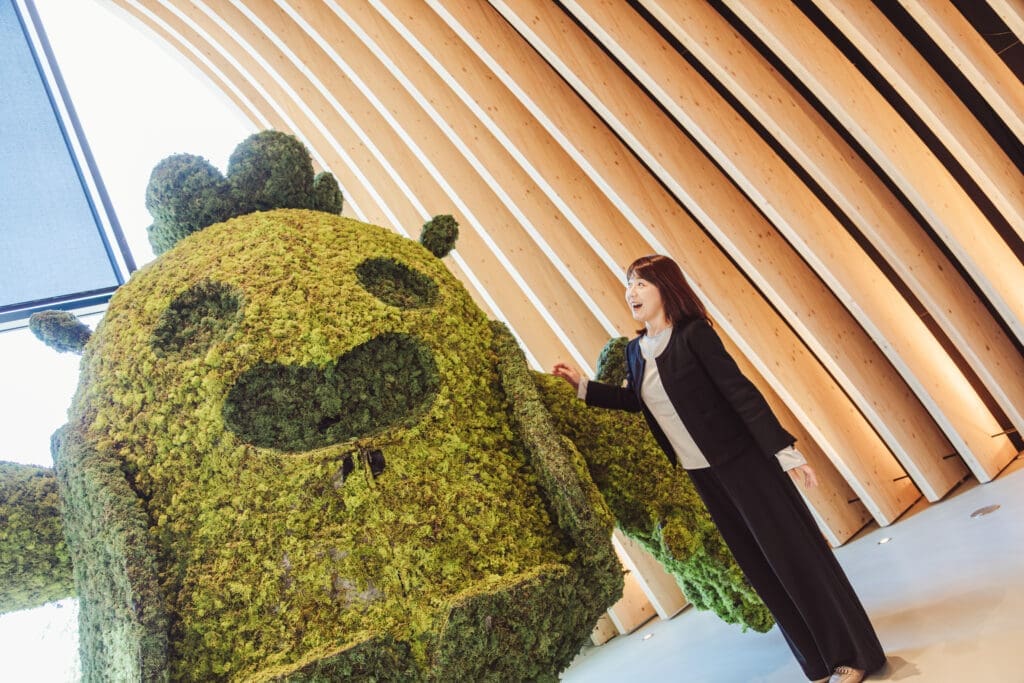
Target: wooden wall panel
{"type": "Point", "coordinates": [780, 355]}
{"type": "Point", "coordinates": [858, 282]}
{"type": "Point", "coordinates": [914, 79]}
{"type": "Point", "coordinates": [898, 151]}
{"type": "Point", "coordinates": [1012, 14]}
{"type": "Point", "coordinates": [973, 56]}
{"type": "Point", "coordinates": [820, 240]}
{"type": "Point", "coordinates": [850, 183]}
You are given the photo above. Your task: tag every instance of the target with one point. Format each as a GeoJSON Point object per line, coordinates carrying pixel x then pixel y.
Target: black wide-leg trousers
{"type": "Point", "coordinates": [778, 545]}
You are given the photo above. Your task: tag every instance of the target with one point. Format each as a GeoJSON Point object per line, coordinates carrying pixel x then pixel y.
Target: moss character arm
{"type": "Point", "coordinates": [123, 627]}
{"type": "Point", "coordinates": [578, 505]}
{"type": "Point", "coordinates": [34, 558]}
{"type": "Point", "coordinates": [60, 330]}
{"type": "Point", "coordinates": [654, 503]}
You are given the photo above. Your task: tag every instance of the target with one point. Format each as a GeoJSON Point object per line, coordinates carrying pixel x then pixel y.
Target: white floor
{"type": "Point", "coordinates": [946, 595]}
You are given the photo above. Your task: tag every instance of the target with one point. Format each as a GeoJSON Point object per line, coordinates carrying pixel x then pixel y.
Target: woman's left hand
{"type": "Point", "coordinates": [805, 475]}
{"type": "Point", "coordinates": [568, 373]}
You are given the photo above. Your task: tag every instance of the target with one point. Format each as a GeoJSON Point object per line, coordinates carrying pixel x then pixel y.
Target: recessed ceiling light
{"type": "Point", "coordinates": [647, 636]}
{"type": "Point", "coordinates": [884, 540]}
{"type": "Point", "coordinates": [988, 509]}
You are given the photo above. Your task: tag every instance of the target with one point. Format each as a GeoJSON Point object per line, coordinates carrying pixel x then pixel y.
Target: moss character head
{"type": "Point", "coordinates": [300, 451]}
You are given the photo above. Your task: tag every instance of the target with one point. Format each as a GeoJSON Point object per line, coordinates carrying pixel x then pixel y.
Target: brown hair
{"type": "Point", "coordinates": [679, 299]}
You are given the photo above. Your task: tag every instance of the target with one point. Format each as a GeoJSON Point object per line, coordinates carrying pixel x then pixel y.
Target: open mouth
{"type": "Point", "coordinates": [387, 381]}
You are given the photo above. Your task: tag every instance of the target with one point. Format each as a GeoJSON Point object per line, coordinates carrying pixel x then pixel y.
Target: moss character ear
{"type": "Point", "coordinates": [271, 170]}
{"type": "Point", "coordinates": [185, 194]}
{"type": "Point", "coordinates": [326, 193]}
{"type": "Point", "coordinates": [439, 235]}
{"type": "Point", "coordinates": [267, 170]}
{"type": "Point", "coordinates": [60, 330]}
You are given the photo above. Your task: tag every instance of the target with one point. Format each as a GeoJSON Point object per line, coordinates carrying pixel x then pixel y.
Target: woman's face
{"type": "Point", "coordinates": [644, 300]}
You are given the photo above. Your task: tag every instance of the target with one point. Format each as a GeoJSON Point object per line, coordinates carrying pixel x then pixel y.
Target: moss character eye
{"type": "Point", "coordinates": [387, 381]}
{"type": "Point", "coordinates": [196, 317]}
{"type": "Point", "coordinates": [396, 284]}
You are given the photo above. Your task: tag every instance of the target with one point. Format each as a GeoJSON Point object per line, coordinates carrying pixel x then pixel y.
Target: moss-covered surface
{"type": "Point", "coordinates": [268, 170]}
{"type": "Point", "coordinates": [34, 560]}
{"type": "Point", "coordinates": [60, 330]}
{"type": "Point", "coordinates": [439, 234]}
{"type": "Point", "coordinates": [410, 529]}
{"type": "Point", "coordinates": [185, 193]}
{"type": "Point", "coordinates": [327, 195]}
{"type": "Point", "coordinates": [611, 363]}
{"type": "Point", "coordinates": [655, 503]}
{"type": "Point", "coordinates": [122, 615]}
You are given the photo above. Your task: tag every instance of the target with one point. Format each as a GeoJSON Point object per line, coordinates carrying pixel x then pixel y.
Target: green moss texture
{"type": "Point", "coordinates": [299, 451]}
{"type": "Point", "coordinates": [60, 330]}
{"type": "Point", "coordinates": [439, 234]}
{"type": "Point", "coordinates": [653, 502]}
{"type": "Point", "coordinates": [268, 170]}
{"type": "Point", "coordinates": [34, 560]}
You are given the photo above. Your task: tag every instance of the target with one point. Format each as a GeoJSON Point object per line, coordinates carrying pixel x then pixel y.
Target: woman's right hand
{"type": "Point", "coordinates": [568, 373]}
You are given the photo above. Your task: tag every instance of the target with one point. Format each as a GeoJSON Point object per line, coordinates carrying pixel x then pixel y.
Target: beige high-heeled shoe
{"type": "Point", "coordinates": [846, 674]}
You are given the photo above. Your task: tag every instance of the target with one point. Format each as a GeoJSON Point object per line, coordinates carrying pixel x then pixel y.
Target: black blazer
{"type": "Point", "coordinates": [725, 414]}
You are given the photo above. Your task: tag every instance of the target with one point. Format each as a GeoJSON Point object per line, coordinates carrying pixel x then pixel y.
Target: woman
{"type": "Point", "coordinates": [709, 419]}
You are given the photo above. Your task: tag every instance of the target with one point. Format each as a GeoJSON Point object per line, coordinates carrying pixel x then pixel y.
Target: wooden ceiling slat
{"type": "Point", "coordinates": [897, 150]}
{"type": "Point", "coordinates": [822, 241]}
{"type": "Point", "coordinates": [835, 80]}
{"type": "Point", "coordinates": [743, 310]}
{"type": "Point", "coordinates": [1012, 14]}
{"type": "Point", "coordinates": [935, 102]}
{"type": "Point", "coordinates": [864, 198]}
{"type": "Point", "coordinates": [972, 55]}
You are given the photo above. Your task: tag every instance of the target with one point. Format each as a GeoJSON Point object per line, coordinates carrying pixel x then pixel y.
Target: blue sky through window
{"type": "Point", "coordinates": [52, 243]}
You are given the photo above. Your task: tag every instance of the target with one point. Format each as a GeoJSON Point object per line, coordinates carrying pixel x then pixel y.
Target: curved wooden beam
{"type": "Point", "coordinates": [896, 149]}
{"type": "Point", "coordinates": [1012, 14]}
{"type": "Point", "coordinates": [825, 245]}
{"type": "Point", "coordinates": [972, 55]}
{"type": "Point", "coordinates": [939, 107]}
{"type": "Point", "coordinates": [612, 94]}
{"type": "Point", "coordinates": [866, 201]}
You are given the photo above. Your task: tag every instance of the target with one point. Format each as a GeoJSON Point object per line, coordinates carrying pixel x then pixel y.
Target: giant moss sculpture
{"type": "Point", "coordinates": [299, 451]}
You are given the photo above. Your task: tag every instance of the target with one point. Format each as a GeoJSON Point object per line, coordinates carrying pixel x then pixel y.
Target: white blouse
{"type": "Point", "coordinates": [654, 396]}
{"type": "Point", "coordinates": [652, 393]}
